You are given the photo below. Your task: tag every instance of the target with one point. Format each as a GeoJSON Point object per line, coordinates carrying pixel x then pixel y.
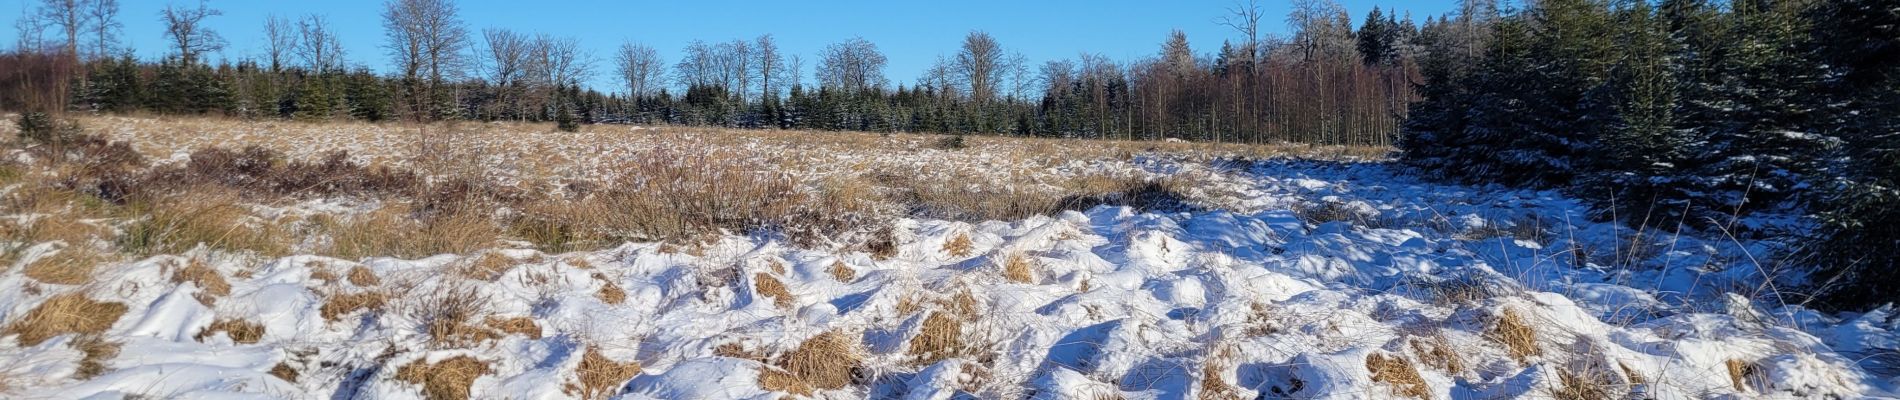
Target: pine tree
{"type": "Point", "coordinates": [1861, 94]}
{"type": "Point", "coordinates": [1642, 147]}
{"type": "Point", "coordinates": [1761, 146]}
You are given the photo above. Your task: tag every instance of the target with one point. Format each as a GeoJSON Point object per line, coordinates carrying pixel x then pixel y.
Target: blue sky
{"type": "Point", "coordinates": [911, 33]}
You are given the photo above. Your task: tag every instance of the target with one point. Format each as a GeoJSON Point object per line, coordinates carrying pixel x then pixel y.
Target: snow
{"type": "Point", "coordinates": [1121, 304]}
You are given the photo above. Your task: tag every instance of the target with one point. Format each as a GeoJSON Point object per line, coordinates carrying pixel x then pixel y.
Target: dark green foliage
{"type": "Point", "coordinates": [43, 128]}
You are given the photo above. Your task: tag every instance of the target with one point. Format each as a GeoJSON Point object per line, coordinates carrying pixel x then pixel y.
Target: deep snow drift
{"type": "Point", "coordinates": [1412, 290]}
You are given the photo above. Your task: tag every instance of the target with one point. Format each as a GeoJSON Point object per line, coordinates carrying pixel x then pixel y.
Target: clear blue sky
{"type": "Point", "coordinates": [911, 33]}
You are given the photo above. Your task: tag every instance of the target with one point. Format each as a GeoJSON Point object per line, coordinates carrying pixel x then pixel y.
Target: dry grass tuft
{"type": "Point", "coordinates": [285, 371]}
{"type": "Point", "coordinates": [71, 265]}
{"type": "Point", "coordinates": [1396, 371]}
{"type": "Point", "coordinates": [1518, 336]}
{"type": "Point", "coordinates": [487, 267]}
{"type": "Point", "coordinates": [958, 246]}
{"type": "Point", "coordinates": [343, 304]}
{"type": "Point", "coordinates": [940, 337]}
{"type": "Point", "coordinates": [449, 379]}
{"type": "Point", "coordinates": [395, 231]}
{"type": "Point", "coordinates": [207, 279]}
{"type": "Point", "coordinates": [1741, 373]}
{"type": "Point", "coordinates": [63, 314]}
{"type": "Point", "coordinates": [1437, 352]}
{"type": "Point", "coordinates": [1580, 387]}
{"type": "Point", "coordinates": [600, 377]}
{"type": "Point", "coordinates": [524, 326]}
{"type": "Point", "coordinates": [773, 288]}
{"type": "Point", "coordinates": [96, 350]}
{"type": "Point", "coordinates": [1016, 268]}
{"type": "Point", "coordinates": [212, 218]}
{"type": "Point", "coordinates": [843, 273]}
{"type": "Point", "coordinates": [828, 361]}
{"type": "Point", "coordinates": [240, 331]}
{"type": "Point", "coordinates": [361, 276]}
{"type": "Point", "coordinates": [451, 313]}
{"type": "Point", "coordinates": [777, 380]}
{"type": "Point", "coordinates": [1213, 387]}
{"type": "Point", "coordinates": [609, 292]}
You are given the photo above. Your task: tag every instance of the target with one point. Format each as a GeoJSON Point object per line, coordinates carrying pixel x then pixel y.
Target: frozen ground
{"type": "Point", "coordinates": [1312, 280]}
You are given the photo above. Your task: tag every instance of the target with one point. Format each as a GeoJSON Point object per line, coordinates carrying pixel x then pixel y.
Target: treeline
{"type": "Point", "coordinates": [1326, 83]}
{"type": "Point", "coordinates": [1685, 112]}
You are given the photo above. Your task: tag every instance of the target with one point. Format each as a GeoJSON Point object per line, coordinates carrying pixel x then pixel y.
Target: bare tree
{"type": "Point", "coordinates": [697, 65]}
{"type": "Point", "coordinates": [852, 65]}
{"type": "Point", "coordinates": [558, 61]}
{"type": "Point", "coordinates": [504, 56]}
{"type": "Point", "coordinates": [103, 17]}
{"type": "Point", "coordinates": [1245, 18]}
{"type": "Point", "coordinates": [279, 41]}
{"type": "Point", "coordinates": [318, 45]}
{"type": "Point", "coordinates": [69, 17]}
{"type": "Point", "coordinates": [640, 68]}
{"type": "Point", "coordinates": [735, 60]}
{"type": "Point", "coordinates": [426, 38]}
{"type": "Point", "coordinates": [185, 27]}
{"type": "Point", "coordinates": [979, 66]}
{"type": "Point", "coordinates": [795, 68]}
{"type": "Point", "coordinates": [771, 65]}
{"type": "Point", "coordinates": [31, 29]}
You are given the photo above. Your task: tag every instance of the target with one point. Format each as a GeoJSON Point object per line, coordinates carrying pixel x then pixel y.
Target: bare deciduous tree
{"type": "Point", "coordinates": [735, 60]}
{"type": "Point", "coordinates": [558, 61]}
{"type": "Point", "coordinates": [640, 67]}
{"type": "Point", "coordinates": [852, 65]}
{"type": "Point", "coordinates": [771, 65]}
{"type": "Point", "coordinates": [185, 27]}
{"type": "Point", "coordinates": [1245, 18]}
{"type": "Point", "coordinates": [426, 38]}
{"type": "Point", "coordinates": [318, 45]}
{"type": "Point", "coordinates": [696, 66]}
{"type": "Point", "coordinates": [69, 17]}
{"type": "Point", "coordinates": [103, 17]}
{"type": "Point", "coordinates": [980, 66]}
{"type": "Point", "coordinates": [279, 41]}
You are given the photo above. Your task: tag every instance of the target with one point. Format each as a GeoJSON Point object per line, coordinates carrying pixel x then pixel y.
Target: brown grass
{"type": "Point", "coordinates": [362, 277]}
{"type": "Point", "coordinates": [609, 292]}
{"type": "Point", "coordinates": [940, 337]}
{"type": "Point", "coordinates": [600, 377]}
{"type": "Point", "coordinates": [205, 216]}
{"type": "Point", "coordinates": [1518, 336]}
{"type": "Point", "coordinates": [1017, 268]}
{"type": "Point", "coordinates": [958, 246]}
{"type": "Point", "coordinates": [1741, 373]}
{"type": "Point", "coordinates": [1398, 372]}
{"type": "Point", "coordinates": [828, 361]}
{"type": "Point", "coordinates": [1437, 352]}
{"type": "Point", "coordinates": [487, 267]}
{"type": "Point", "coordinates": [523, 326]}
{"type": "Point", "coordinates": [450, 314]}
{"type": "Point", "coordinates": [285, 371]}
{"type": "Point", "coordinates": [96, 351]}
{"type": "Point", "coordinates": [773, 288]}
{"type": "Point", "coordinates": [240, 331]}
{"type": "Point", "coordinates": [71, 265]}
{"type": "Point", "coordinates": [1573, 386]}
{"type": "Point", "coordinates": [63, 314]}
{"type": "Point", "coordinates": [207, 279]}
{"type": "Point", "coordinates": [343, 304]}
{"type": "Point", "coordinates": [449, 379]}
{"type": "Point", "coordinates": [841, 272]}
{"type": "Point", "coordinates": [395, 231]}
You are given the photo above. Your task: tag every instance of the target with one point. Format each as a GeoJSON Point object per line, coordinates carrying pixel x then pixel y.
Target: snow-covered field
{"type": "Point", "coordinates": [1299, 279]}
